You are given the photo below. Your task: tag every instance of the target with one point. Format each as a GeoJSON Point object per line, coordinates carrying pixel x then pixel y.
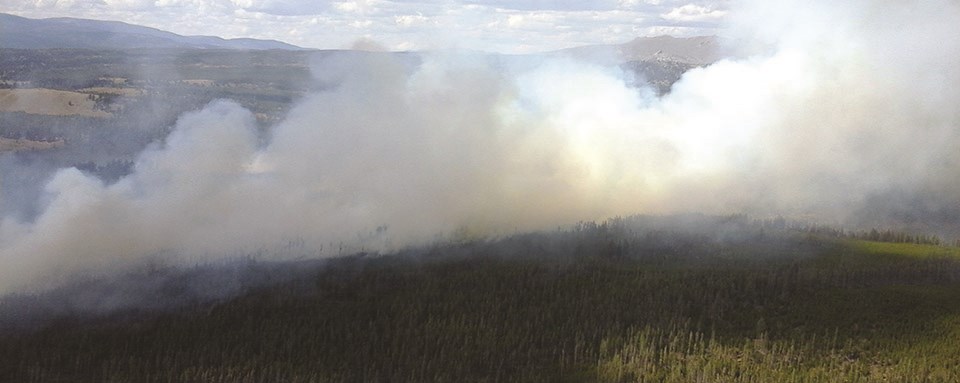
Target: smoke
{"type": "Point", "coordinates": [844, 112]}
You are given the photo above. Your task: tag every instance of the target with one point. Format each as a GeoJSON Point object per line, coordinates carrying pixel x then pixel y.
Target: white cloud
{"type": "Point", "coordinates": [552, 5]}
{"type": "Point", "coordinates": [693, 12]}
{"type": "Point", "coordinates": [58, 4]}
{"type": "Point", "coordinates": [357, 6]}
{"type": "Point", "coordinates": [408, 21]}
{"type": "Point", "coordinates": [361, 24]}
{"type": "Point", "coordinates": [282, 7]}
{"type": "Point", "coordinates": [134, 5]}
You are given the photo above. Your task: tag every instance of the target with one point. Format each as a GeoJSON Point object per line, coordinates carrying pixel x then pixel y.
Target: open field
{"type": "Point", "coordinates": [104, 83]}
{"type": "Point", "coordinates": [9, 145]}
{"type": "Point", "coordinates": [49, 102]}
{"type": "Point", "coordinates": [94, 109]}
{"type": "Point", "coordinates": [621, 301]}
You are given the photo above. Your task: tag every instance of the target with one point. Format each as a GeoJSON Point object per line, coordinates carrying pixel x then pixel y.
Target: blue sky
{"type": "Point", "coordinates": [489, 25]}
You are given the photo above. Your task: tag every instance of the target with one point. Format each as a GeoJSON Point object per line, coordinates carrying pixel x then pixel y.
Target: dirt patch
{"type": "Point", "coordinates": [20, 145]}
{"type": "Point", "coordinates": [202, 83]}
{"type": "Point", "coordinates": [49, 102]}
{"type": "Point", "coordinates": [126, 92]}
{"type": "Point", "coordinates": [114, 80]}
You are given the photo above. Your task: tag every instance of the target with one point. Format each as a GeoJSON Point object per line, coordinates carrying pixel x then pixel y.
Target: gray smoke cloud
{"type": "Point", "coordinates": [843, 112]}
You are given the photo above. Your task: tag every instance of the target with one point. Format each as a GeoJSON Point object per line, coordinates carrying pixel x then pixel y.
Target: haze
{"type": "Point", "coordinates": [834, 112]}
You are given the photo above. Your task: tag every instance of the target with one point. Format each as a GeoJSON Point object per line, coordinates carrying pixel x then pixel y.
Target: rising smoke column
{"type": "Point", "coordinates": [831, 108]}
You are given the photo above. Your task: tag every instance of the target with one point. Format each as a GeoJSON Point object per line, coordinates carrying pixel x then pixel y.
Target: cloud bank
{"type": "Point", "coordinates": [840, 115]}
{"type": "Point", "coordinates": [486, 25]}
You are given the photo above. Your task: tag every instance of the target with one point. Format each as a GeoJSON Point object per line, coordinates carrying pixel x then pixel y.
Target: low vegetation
{"type": "Point", "coordinates": [642, 299]}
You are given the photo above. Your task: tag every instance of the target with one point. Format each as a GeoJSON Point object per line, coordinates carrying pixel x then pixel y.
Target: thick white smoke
{"type": "Point", "coordinates": [834, 105]}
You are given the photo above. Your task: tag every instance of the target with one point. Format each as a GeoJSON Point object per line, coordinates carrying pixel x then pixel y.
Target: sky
{"type": "Point", "coordinates": [504, 26]}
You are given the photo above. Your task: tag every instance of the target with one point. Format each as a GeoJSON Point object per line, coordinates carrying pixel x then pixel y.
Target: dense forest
{"type": "Point", "coordinates": [637, 299]}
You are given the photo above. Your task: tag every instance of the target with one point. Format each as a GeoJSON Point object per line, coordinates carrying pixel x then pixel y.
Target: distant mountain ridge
{"type": "Point", "coordinates": [697, 51]}
{"type": "Point", "coordinates": [66, 32]}
{"type": "Point", "coordinates": [658, 61]}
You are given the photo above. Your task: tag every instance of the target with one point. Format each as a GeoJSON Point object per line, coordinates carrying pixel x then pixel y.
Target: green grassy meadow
{"type": "Point", "coordinates": [623, 301]}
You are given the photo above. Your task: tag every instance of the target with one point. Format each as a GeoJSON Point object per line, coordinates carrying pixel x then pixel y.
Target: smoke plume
{"type": "Point", "coordinates": [841, 111]}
